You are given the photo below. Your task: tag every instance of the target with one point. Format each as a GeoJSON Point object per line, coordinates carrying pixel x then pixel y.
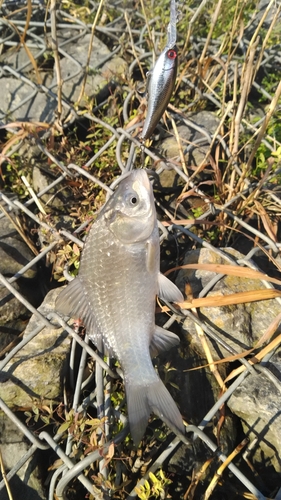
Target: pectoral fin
{"type": "Point", "coordinates": [73, 302]}
{"type": "Point", "coordinates": [162, 340]}
{"type": "Point", "coordinates": [151, 256]}
{"type": "Point", "coordinates": [168, 291]}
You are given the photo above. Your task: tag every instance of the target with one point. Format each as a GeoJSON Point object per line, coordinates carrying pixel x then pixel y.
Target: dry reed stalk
{"type": "Point", "coordinates": [222, 468]}
{"type": "Point", "coordinates": [100, 6]}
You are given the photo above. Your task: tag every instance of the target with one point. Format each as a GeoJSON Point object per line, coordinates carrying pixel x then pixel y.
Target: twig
{"type": "Point", "coordinates": [210, 32]}
{"type": "Point", "coordinates": [54, 45]}
{"type": "Point", "coordinates": [222, 467]}
{"type": "Point", "coordinates": [133, 45]}
{"type": "Point", "coordinates": [264, 126]}
{"type": "Point", "coordinates": [33, 195]}
{"type": "Point", "coordinates": [101, 2]}
{"type": "Point", "coordinates": [2, 468]}
{"type": "Point", "coordinates": [147, 25]}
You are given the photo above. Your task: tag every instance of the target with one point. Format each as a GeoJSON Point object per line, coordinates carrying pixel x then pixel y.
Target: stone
{"type": "Point", "coordinates": [37, 370]}
{"type": "Point", "coordinates": [100, 71]}
{"type": "Point", "coordinates": [257, 399]}
{"type": "Point", "coordinates": [27, 483]}
{"type": "Point", "coordinates": [19, 59]}
{"type": "Point", "coordinates": [16, 105]}
{"type": "Point", "coordinates": [205, 119]}
{"type": "Point", "coordinates": [241, 325]}
{"type": "Point", "coordinates": [257, 402]}
{"type": "Point", "coordinates": [14, 252]}
{"type": "Point", "coordinates": [53, 198]}
{"type": "Point", "coordinates": [13, 316]}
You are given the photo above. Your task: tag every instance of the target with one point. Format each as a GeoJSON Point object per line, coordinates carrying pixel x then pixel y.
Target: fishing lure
{"type": "Point", "coordinates": [161, 79]}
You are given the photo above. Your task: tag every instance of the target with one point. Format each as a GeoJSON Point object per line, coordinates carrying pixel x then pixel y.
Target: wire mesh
{"type": "Point", "coordinates": [127, 149]}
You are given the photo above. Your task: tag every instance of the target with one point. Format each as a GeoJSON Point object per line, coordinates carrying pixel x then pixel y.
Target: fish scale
{"type": "Point", "coordinates": [114, 294]}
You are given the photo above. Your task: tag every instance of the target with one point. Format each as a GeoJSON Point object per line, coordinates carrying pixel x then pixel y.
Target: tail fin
{"type": "Point", "coordinates": [142, 400]}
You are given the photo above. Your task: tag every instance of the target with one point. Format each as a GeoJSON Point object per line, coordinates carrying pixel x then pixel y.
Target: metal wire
{"type": "Point", "coordinates": [64, 172]}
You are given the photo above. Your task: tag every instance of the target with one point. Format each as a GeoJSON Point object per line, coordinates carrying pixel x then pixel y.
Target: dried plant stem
{"type": "Point", "coordinates": [221, 469]}
{"type": "Point", "coordinates": [2, 468]}
{"type": "Point", "coordinates": [264, 126]}
{"type": "Point", "coordinates": [210, 32]}
{"type": "Point", "coordinates": [256, 33]}
{"type": "Point", "coordinates": [266, 38]}
{"type": "Point", "coordinates": [54, 45]}
{"type": "Point", "coordinates": [147, 26]}
{"type": "Point", "coordinates": [179, 146]}
{"type": "Point", "coordinates": [208, 354]}
{"type": "Point", "coordinates": [245, 85]}
{"type": "Point", "coordinates": [191, 23]}
{"type": "Point", "coordinates": [133, 45]}
{"type": "Point", "coordinates": [19, 230]}
{"type": "Point", "coordinates": [214, 138]}
{"type": "Point", "coordinates": [101, 2]}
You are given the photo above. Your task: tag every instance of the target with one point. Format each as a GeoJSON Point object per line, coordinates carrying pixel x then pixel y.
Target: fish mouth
{"type": "Point", "coordinates": [141, 181]}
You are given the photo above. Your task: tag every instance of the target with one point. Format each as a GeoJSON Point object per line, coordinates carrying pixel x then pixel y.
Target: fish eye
{"type": "Point", "coordinates": [171, 54]}
{"type": "Point", "coordinates": [133, 199]}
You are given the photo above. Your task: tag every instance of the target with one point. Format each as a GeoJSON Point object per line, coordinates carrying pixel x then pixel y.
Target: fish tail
{"type": "Point", "coordinates": [142, 400]}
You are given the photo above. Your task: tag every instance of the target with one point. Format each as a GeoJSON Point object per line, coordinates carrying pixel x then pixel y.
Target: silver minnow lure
{"type": "Point", "coordinates": [114, 294]}
{"type": "Point", "coordinates": [161, 79]}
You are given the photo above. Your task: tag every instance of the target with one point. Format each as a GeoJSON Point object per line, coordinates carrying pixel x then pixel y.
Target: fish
{"type": "Point", "coordinates": [161, 80]}
{"type": "Point", "coordinates": [114, 295]}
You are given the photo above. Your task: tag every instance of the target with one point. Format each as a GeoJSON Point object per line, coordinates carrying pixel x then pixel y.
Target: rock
{"type": "Point", "coordinates": [19, 60]}
{"type": "Point", "coordinates": [53, 198]}
{"type": "Point", "coordinates": [79, 51]}
{"type": "Point", "coordinates": [14, 100]}
{"type": "Point", "coordinates": [239, 325]}
{"type": "Point", "coordinates": [27, 482]}
{"type": "Point", "coordinates": [39, 108]}
{"type": "Point", "coordinates": [13, 316]}
{"type": "Point", "coordinates": [14, 252]}
{"type": "Point", "coordinates": [256, 401]}
{"type": "Point", "coordinates": [96, 78]}
{"type": "Point", "coordinates": [37, 370]}
{"type": "Point", "coordinates": [205, 119]}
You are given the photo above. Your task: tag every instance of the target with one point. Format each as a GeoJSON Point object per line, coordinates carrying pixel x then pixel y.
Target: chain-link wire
{"type": "Point", "coordinates": [71, 30]}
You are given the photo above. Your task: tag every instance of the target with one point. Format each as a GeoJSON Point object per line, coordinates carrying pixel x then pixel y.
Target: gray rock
{"type": "Point", "coordinates": [27, 482]}
{"type": "Point", "coordinates": [53, 197]}
{"type": "Point", "coordinates": [205, 119]}
{"type": "Point", "coordinates": [18, 101]}
{"type": "Point", "coordinates": [79, 51]}
{"type": "Point", "coordinates": [14, 252]}
{"type": "Point", "coordinates": [19, 59]}
{"type": "Point", "coordinates": [13, 315]}
{"type": "Point", "coordinates": [239, 325]}
{"type": "Point", "coordinates": [73, 74]}
{"type": "Point", "coordinates": [257, 400]}
{"type": "Point", "coordinates": [37, 370]}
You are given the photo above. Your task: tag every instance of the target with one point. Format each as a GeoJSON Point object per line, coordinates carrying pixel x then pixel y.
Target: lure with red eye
{"type": "Point", "coordinates": [159, 89]}
{"type": "Point", "coordinates": [171, 54]}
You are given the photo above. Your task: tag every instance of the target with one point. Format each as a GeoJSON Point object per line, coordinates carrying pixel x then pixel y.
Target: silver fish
{"type": "Point", "coordinates": [114, 294]}
{"type": "Point", "coordinates": [161, 79]}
